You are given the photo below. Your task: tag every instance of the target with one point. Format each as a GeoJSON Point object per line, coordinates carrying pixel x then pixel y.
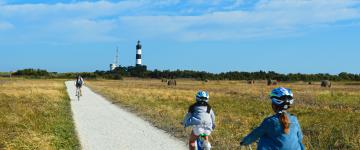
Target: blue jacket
{"type": "Point", "coordinates": [272, 136]}
{"type": "Point", "coordinates": [200, 117]}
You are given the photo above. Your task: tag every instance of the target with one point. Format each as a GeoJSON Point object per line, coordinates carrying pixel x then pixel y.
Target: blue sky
{"type": "Point", "coordinates": [287, 36]}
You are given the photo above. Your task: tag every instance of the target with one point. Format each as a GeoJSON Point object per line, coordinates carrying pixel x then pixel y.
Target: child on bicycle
{"type": "Point", "coordinates": [282, 130]}
{"type": "Point", "coordinates": [202, 118]}
{"type": "Point", "coordinates": [78, 83]}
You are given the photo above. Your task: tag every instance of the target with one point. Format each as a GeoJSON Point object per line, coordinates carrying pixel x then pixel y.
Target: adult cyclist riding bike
{"type": "Point", "coordinates": [282, 130]}
{"type": "Point", "coordinates": [202, 118]}
{"type": "Point", "coordinates": [78, 83]}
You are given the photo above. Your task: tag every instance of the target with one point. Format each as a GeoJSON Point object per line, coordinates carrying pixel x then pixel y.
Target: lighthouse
{"type": "Point", "coordinates": [138, 54]}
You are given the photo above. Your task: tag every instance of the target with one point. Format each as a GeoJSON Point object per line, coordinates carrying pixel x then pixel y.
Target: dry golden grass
{"type": "Point", "coordinates": [35, 114]}
{"type": "Point", "coordinates": [330, 118]}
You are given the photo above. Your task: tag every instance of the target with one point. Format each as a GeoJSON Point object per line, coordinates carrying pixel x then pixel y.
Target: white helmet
{"type": "Point", "coordinates": [202, 96]}
{"type": "Point", "coordinates": [282, 97]}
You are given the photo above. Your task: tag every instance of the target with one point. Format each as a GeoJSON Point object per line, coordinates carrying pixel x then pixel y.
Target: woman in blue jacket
{"type": "Point", "coordinates": [281, 131]}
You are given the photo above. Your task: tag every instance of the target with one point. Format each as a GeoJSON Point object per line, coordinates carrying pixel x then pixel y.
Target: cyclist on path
{"type": "Point", "coordinates": [202, 118]}
{"type": "Point", "coordinates": [79, 82]}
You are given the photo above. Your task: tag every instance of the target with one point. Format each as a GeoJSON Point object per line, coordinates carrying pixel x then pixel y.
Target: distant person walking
{"type": "Point", "coordinates": [282, 130]}
{"type": "Point", "coordinates": [202, 118]}
{"type": "Point", "coordinates": [78, 83]}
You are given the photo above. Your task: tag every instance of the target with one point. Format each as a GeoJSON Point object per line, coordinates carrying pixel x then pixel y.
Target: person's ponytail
{"type": "Point", "coordinates": [285, 122]}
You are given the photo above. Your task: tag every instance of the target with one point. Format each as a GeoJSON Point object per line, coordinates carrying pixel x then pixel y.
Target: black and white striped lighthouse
{"type": "Point", "coordinates": [138, 54]}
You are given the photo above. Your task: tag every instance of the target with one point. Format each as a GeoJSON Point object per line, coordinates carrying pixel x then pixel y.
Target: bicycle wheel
{"type": "Point", "coordinates": [199, 143]}
{"type": "Point", "coordinates": [78, 93]}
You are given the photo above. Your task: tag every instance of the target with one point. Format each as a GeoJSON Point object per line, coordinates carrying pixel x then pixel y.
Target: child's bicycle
{"type": "Point", "coordinates": [201, 143]}
{"type": "Point", "coordinates": [78, 94]}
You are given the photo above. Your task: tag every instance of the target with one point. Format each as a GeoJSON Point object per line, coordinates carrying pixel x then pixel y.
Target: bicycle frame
{"type": "Point", "coordinates": [78, 93]}
{"type": "Point", "coordinates": [200, 141]}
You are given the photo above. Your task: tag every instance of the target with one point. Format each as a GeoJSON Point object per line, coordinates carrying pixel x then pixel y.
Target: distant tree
{"type": "Point", "coordinates": [142, 72]}
{"type": "Point", "coordinates": [137, 71]}
{"type": "Point", "coordinates": [32, 72]}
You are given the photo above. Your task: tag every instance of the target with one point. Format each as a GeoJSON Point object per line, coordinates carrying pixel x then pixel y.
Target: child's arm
{"type": "Point", "coordinates": [300, 135]}
{"type": "Point", "coordinates": [255, 134]}
{"type": "Point", "coordinates": [186, 119]}
{"type": "Point", "coordinates": [212, 115]}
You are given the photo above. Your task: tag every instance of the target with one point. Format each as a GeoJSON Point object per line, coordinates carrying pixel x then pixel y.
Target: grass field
{"type": "Point", "coordinates": [35, 114]}
{"type": "Point", "coordinates": [330, 118]}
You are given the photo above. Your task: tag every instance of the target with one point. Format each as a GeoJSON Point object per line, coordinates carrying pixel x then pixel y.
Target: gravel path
{"type": "Point", "coordinates": [104, 126]}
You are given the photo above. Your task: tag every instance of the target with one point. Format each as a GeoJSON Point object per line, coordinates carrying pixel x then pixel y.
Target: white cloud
{"type": "Point", "coordinates": [236, 4]}
{"type": "Point", "coordinates": [80, 9]}
{"type": "Point", "coordinates": [290, 12]}
{"type": "Point", "coordinates": [109, 21]}
{"type": "Point", "coordinates": [84, 30]}
{"type": "Point", "coordinates": [73, 22]}
{"type": "Point", "coordinates": [6, 26]}
{"type": "Point", "coordinates": [267, 19]}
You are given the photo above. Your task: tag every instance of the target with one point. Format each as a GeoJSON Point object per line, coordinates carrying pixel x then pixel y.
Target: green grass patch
{"type": "Point", "coordinates": [36, 114]}
{"type": "Point", "coordinates": [329, 117]}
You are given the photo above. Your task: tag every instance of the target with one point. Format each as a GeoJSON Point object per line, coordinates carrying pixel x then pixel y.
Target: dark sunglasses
{"type": "Point", "coordinates": [283, 98]}
{"type": "Point", "coordinates": [203, 98]}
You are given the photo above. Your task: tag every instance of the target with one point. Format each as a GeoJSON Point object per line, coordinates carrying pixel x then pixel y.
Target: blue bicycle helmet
{"type": "Point", "coordinates": [282, 97]}
{"type": "Point", "coordinates": [202, 96]}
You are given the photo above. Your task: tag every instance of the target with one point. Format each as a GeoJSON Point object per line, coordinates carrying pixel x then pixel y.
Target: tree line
{"type": "Point", "coordinates": [142, 72]}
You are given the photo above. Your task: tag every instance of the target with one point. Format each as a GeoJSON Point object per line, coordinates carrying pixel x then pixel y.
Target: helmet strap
{"type": "Point", "coordinates": [282, 111]}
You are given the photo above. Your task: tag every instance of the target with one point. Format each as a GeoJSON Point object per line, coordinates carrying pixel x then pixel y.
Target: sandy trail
{"type": "Point", "coordinates": [104, 126]}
